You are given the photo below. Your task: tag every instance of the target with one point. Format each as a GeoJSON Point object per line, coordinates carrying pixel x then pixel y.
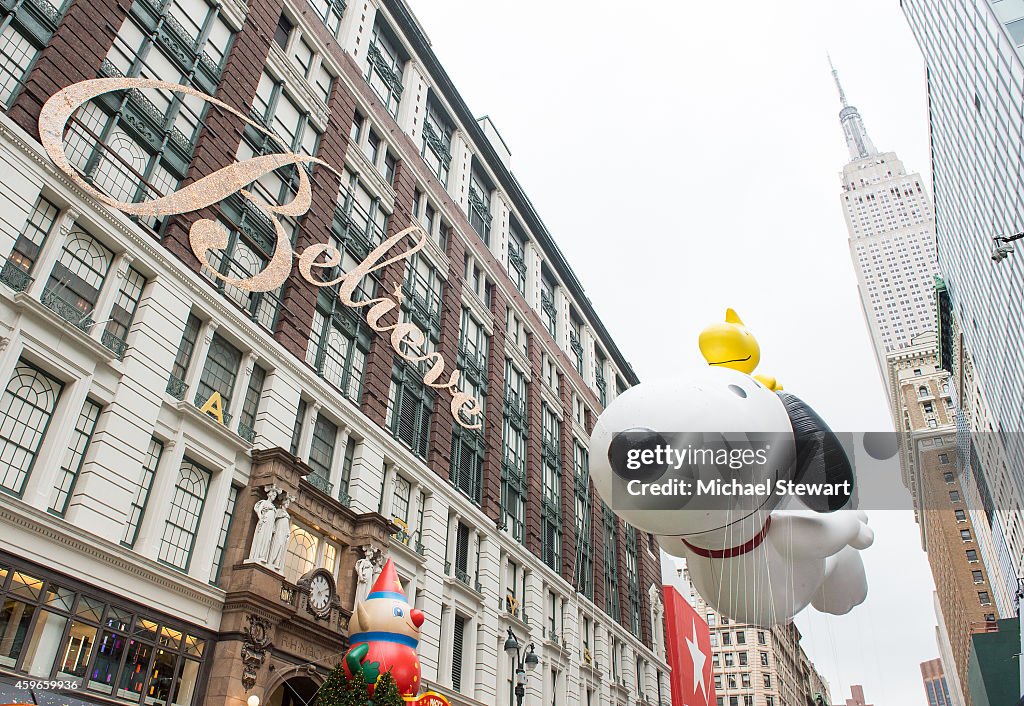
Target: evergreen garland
{"type": "Point", "coordinates": [341, 690]}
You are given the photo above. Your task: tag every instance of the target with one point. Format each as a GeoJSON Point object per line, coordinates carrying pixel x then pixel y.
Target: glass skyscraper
{"type": "Point", "coordinates": [973, 51]}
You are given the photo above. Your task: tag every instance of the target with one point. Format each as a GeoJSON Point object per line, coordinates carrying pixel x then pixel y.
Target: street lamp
{"type": "Point", "coordinates": [520, 663]}
{"type": "Point", "coordinates": [1002, 247]}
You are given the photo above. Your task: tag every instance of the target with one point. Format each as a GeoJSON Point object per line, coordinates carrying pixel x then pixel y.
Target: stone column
{"type": "Point", "coordinates": [241, 387]}
{"type": "Point", "coordinates": [201, 566]}
{"type": "Point", "coordinates": [367, 478]}
{"type": "Point", "coordinates": [195, 367]}
{"type": "Point", "coordinates": [306, 435]}
{"type": "Point", "coordinates": [432, 536]}
{"type": "Point", "coordinates": [108, 294]}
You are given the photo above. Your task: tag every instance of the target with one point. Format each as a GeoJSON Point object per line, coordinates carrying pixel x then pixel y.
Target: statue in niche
{"type": "Point", "coordinates": [368, 567]}
{"type": "Point", "coordinates": [282, 533]}
{"type": "Point", "coordinates": [262, 536]}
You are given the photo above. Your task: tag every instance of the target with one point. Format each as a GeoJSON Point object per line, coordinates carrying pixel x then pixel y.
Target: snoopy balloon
{"type": "Point", "coordinates": [706, 462]}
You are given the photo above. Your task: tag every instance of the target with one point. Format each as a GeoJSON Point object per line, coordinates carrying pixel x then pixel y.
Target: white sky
{"type": "Point", "coordinates": [685, 156]}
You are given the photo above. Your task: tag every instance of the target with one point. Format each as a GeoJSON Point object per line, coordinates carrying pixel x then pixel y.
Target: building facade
{"type": "Point", "coordinates": [973, 55]}
{"type": "Point", "coordinates": [948, 530]}
{"type": "Point", "coordinates": [935, 686]}
{"type": "Point", "coordinates": [757, 666]}
{"type": "Point", "coordinates": [857, 696]}
{"type": "Point", "coordinates": [181, 456]}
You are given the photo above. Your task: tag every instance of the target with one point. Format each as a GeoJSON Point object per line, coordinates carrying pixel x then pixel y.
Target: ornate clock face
{"type": "Point", "coordinates": [321, 591]}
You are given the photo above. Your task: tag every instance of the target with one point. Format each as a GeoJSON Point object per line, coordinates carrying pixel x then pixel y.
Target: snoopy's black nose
{"type": "Point", "coordinates": [638, 454]}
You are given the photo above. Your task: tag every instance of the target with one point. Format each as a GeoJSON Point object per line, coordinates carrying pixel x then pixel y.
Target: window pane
{"type": "Point", "coordinates": [75, 659]}
{"type": "Point", "coordinates": [42, 648]}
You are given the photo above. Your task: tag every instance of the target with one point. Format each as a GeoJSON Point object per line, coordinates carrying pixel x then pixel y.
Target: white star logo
{"type": "Point", "coordinates": [698, 658]}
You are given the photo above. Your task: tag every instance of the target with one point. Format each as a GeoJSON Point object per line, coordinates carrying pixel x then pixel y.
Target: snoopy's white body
{"type": "Point", "coordinates": [803, 557]}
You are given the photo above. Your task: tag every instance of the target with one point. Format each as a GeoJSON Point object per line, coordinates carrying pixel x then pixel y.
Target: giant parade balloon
{"type": "Point", "coordinates": [742, 479]}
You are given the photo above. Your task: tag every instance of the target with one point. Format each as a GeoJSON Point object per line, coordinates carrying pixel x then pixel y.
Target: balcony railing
{"type": "Point", "coordinates": [15, 277]}
{"type": "Point", "coordinates": [409, 539]}
{"type": "Point", "coordinates": [176, 387]}
{"type": "Point", "coordinates": [344, 498]}
{"type": "Point", "coordinates": [117, 345]}
{"type": "Point", "coordinates": [319, 482]}
{"type": "Point", "coordinates": [246, 432]}
{"type": "Point", "coordinates": [66, 310]}
{"type": "Point", "coordinates": [385, 70]}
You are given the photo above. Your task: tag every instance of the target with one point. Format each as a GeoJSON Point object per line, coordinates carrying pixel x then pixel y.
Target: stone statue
{"type": "Point", "coordinates": [364, 574]}
{"type": "Point", "coordinates": [261, 538]}
{"type": "Point", "coordinates": [282, 532]}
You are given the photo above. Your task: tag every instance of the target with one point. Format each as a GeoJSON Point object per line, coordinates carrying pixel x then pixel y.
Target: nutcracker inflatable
{"type": "Point", "coordinates": [384, 631]}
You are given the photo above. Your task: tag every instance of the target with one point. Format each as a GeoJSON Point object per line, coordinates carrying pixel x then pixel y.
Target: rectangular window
{"type": "Point", "coordinates": [611, 565]}
{"type": "Point", "coordinates": [400, 499]}
{"type": "Point", "coordinates": [222, 536]}
{"type": "Point", "coordinates": [437, 139]}
{"type": "Point", "coordinates": [548, 315]}
{"type": "Point", "coordinates": [219, 372]}
{"type": "Point", "coordinates": [300, 419]}
{"type": "Point", "coordinates": [27, 28]}
{"type": "Point", "coordinates": [517, 256]}
{"type": "Point", "coordinates": [977, 576]}
{"type": "Point", "coordinates": [30, 241]}
{"type": "Point", "coordinates": [26, 409]}
{"type": "Point", "coordinates": [330, 12]}
{"type": "Point", "coordinates": [74, 457]}
{"type": "Point", "coordinates": [584, 559]}
{"type": "Point", "coordinates": [479, 204]}
{"type": "Point", "coordinates": [576, 342]}
{"type": "Point", "coordinates": [551, 489]}
{"type": "Point", "coordinates": [972, 554]}
{"type": "Point", "coordinates": [983, 598]}
{"type": "Point", "coordinates": [467, 466]}
{"type": "Point", "coordinates": [321, 452]}
{"type": "Point", "coordinates": [186, 511]}
{"type": "Point", "coordinates": [346, 473]}
{"type": "Point", "coordinates": [142, 488]}
{"type": "Point", "coordinates": [633, 581]}
{"type": "Point", "coordinates": [251, 404]}
{"type": "Point", "coordinates": [122, 314]}
{"type": "Point", "coordinates": [77, 277]}
{"type": "Point", "coordinates": [965, 535]}
{"type": "Point", "coordinates": [458, 638]}
{"type": "Point", "coordinates": [954, 496]}
{"type": "Point", "coordinates": [599, 381]}
{"type": "Point", "coordinates": [386, 64]}
{"type": "Point", "coordinates": [183, 358]}
{"type": "Point", "coordinates": [411, 408]}
{"type": "Point", "coordinates": [960, 515]}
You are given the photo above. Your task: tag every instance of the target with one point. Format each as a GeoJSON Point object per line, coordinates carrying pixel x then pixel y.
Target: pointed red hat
{"type": "Point", "coordinates": [387, 584]}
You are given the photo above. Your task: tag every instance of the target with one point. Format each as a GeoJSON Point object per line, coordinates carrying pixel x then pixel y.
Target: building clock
{"type": "Point", "coordinates": [320, 593]}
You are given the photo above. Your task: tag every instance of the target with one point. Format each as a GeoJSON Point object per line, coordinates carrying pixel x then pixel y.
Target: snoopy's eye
{"type": "Point", "coordinates": [737, 390]}
{"type": "Point", "coordinates": [398, 612]}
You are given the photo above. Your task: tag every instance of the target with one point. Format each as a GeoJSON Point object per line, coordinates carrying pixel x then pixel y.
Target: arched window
{"type": "Point", "coordinates": [25, 412]}
{"type": "Point", "coordinates": [184, 516]}
{"type": "Point", "coordinates": [301, 557]}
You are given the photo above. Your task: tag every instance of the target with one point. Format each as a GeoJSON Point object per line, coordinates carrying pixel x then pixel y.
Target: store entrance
{"type": "Point", "coordinates": [297, 691]}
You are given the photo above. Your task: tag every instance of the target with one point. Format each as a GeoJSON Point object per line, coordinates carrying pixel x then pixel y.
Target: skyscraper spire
{"type": "Point", "coordinates": [835, 75]}
{"type": "Point", "coordinates": [857, 140]}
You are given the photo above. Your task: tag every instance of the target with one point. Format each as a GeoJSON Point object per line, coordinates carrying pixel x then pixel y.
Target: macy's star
{"type": "Point", "coordinates": [698, 658]}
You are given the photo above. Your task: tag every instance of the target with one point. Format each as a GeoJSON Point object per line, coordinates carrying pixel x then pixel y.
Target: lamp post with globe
{"type": "Point", "coordinates": [521, 663]}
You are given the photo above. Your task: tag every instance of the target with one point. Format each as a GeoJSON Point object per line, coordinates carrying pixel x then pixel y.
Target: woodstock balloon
{"type": "Point", "coordinates": [384, 632]}
{"type": "Point", "coordinates": [740, 478]}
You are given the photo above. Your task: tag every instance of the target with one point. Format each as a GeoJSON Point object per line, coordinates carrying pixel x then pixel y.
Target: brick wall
{"type": "Point", "coordinates": [533, 447]}
{"type": "Point", "coordinates": [568, 491]}
{"type": "Point", "coordinates": [67, 59]}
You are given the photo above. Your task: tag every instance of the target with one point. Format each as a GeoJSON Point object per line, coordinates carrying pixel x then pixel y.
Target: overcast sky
{"type": "Point", "coordinates": [685, 155]}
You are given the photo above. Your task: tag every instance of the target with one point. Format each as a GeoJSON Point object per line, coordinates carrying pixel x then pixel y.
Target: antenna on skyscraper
{"type": "Point", "coordinates": [835, 75]}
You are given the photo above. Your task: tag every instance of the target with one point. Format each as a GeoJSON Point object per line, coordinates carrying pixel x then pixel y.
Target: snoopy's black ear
{"type": "Point", "coordinates": [820, 457]}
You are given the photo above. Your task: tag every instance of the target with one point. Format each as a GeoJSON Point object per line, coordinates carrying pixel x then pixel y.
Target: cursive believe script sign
{"type": "Point", "coordinates": [205, 234]}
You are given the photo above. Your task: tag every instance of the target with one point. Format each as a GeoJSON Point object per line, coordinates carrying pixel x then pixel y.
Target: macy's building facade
{"type": "Point", "coordinates": [128, 508]}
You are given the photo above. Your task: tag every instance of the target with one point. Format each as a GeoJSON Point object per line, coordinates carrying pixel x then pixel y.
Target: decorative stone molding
{"type": "Point", "coordinates": [254, 648]}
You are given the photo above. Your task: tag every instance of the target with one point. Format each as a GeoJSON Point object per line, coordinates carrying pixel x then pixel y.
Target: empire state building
{"type": "Point", "coordinates": [891, 225]}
